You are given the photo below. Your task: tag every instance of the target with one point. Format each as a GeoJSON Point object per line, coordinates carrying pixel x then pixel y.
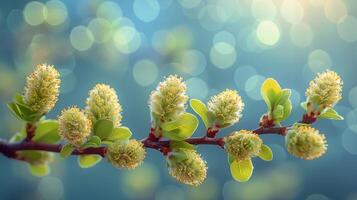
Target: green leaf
{"type": "Point", "coordinates": [266, 153]}
{"type": "Point", "coordinates": [87, 161]}
{"type": "Point", "coordinates": [66, 150]}
{"type": "Point", "coordinates": [39, 170]}
{"type": "Point", "coordinates": [230, 159]}
{"type": "Point", "coordinates": [278, 112]}
{"type": "Point", "coordinates": [181, 144]}
{"type": "Point", "coordinates": [178, 155]}
{"type": "Point", "coordinates": [103, 128]}
{"type": "Point", "coordinates": [180, 129]}
{"type": "Point", "coordinates": [285, 95]}
{"type": "Point", "coordinates": [17, 137]}
{"type": "Point", "coordinates": [304, 105]}
{"type": "Point", "coordinates": [200, 108]}
{"type": "Point", "coordinates": [47, 132]}
{"type": "Point", "coordinates": [15, 110]}
{"type": "Point", "coordinates": [242, 170]}
{"type": "Point", "coordinates": [287, 110]}
{"type": "Point", "coordinates": [330, 113]}
{"type": "Point", "coordinates": [271, 92]}
{"type": "Point", "coordinates": [93, 141]}
{"type": "Point", "coordinates": [119, 133]}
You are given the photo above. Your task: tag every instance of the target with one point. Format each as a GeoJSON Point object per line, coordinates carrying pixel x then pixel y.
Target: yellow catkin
{"type": "Point", "coordinates": [190, 171]}
{"type": "Point", "coordinates": [42, 88]}
{"type": "Point", "coordinates": [243, 144]}
{"type": "Point", "coordinates": [169, 99]}
{"type": "Point", "coordinates": [74, 126]}
{"type": "Point", "coordinates": [103, 103]}
{"type": "Point", "coordinates": [127, 155]}
{"type": "Point", "coordinates": [325, 89]}
{"type": "Point", "coordinates": [306, 142]}
{"type": "Point", "coordinates": [227, 107]}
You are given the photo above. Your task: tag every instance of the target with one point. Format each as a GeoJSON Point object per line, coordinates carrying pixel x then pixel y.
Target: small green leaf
{"type": "Point", "coordinates": [242, 170]}
{"type": "Point", "coordinates": [47, 132]}
{"type": "Point", "coordinates": [330, 113]}
{"type": "Point", "coordinates": [93, 141]}
{"type": "Point", "coordinates": [271, 92]}
{"type": "Point", "coordinates": [39, 170]}
{"type": "Point", "coordinates": [17, 137]}
{"type": "Point", "coordinates": [103, 128]}
{"type": "Point", "coordinates": [178, 155]}
{"type": "Point", "coordinates": [278, 112]}
{"type": "Point", "coordinates": [285, 95]}
{"type": "Point", "coordinates": [266, 153]}
{"type": "Point", "coordinates": [87, 161]}
{"type": "Point", "coordinates": [66, 150]}
{"type": "Point", "coordinates": [119, 133]}
{"type": "Point", "coordinates": [230, 159]}
{"type": "Point", "coordinates": [304, 105]}
{"type": "Point", "coordinates": [200, 108]}
{"type": "Point", "coordinates": [181, 144]}
{"type": "Point", "coordinates": [287, 110]}
{"type": "Point", "coordinates": [180, 129]}
{"type": "Point", "coordinates": [15, 110]}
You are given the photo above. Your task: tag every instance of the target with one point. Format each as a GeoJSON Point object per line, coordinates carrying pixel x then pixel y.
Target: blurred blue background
{"type": "Point", "coordinates": [214, 45]}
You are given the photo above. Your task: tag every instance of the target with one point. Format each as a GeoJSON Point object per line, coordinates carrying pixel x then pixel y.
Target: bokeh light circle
{"type": "Point", "coordinates": [51, 188]}
{"type": "Point", "coordinates": [335, 10]}
{"type": "Point", "coordinates": [101, 29]}
{"type": "Point", "coordinates": [223, 55]}
{"type": "Point", "coordinates": [349, 139]}
{"type": "Point", "coordinates": [189, 3]}
{"type": "Point", "coordinates": [81, 38]}
{"type": "Point", "coordinates": [145, 72]}
{"type": "Point", "coordinates": [347, 29]}
{"type": "Point", "coordinates": [56, 12]}
{"type": "Point", "coordinates": [146, 10]}
{"type": "Point", "coordinates": [192, 62]}
{"type": "Point", "coordinates": [242, 74]}
{"type": "Point", "coordinates": [109, 10]}
{"type": "Point", "coordinates": [252, 86]}
{"type": "Point", "coordinates": [224, 36]}
{"type": "Point", "coordinates": [301, 35]}
{"type": "Point", "coordinates": [319, 60]}
{"type": "Point", "coordinates": [268, 33]}
{"type": "Point", "coordinates": [197, 88]}
{"type": "Point", "coordinates": [292, 11]}
{"type": "Point", "coordinates": [35, 13]}
{"type": "Point", "coordinates": [263, 9]}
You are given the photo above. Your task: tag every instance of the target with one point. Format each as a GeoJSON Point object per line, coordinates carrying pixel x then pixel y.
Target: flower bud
{"type": "Point", "coordinates": [168, 101]}
{"type": "Point", "coordinates": [325, 90]}
{"type": "Point", "coordinates": [74, 126]}
{"type": "Point", "coordinates": [227, 107]}
{"type": "Point", "coordinates": [103, 103]}
{"type": "Point", "coordinates": [305, 142]}
{"type": "Point", "coordinates": [127, 155]}
{"type": "Point", "coordinates": [191, 171]}
{"type": "Point", "coordinates": [243, 144]}
{"type": "Point", "coordinates": [42, 89]}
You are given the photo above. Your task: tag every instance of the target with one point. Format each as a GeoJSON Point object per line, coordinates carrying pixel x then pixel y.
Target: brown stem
{"type": "Point", "coordinates": [10, 149]}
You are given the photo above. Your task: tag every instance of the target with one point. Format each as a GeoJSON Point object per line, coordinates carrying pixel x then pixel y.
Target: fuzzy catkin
{"type": "Point", "coordinates": [243, 144]}
{"type": "Point", "coordinates": [325, 89]}
{"type": "Point", "coordinates": [305, 142]}
{"type": "Point", "coordinates": [227, 107]}
{"type": "Point", "coordinates": [103, 103]}
{"type": "Point", "coordinates": [42, 89]}
{"type": "Point", "coordinates": [74, 126]}
{"type": "Point", "coordinates": [190, 171]}
{"type": "Point", "coordinates": [127, 155]}
{"type": "Point", "coordinates": [168, 101]}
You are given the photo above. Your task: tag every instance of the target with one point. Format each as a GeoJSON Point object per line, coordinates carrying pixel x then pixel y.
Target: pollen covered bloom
{"type": "Point", "coordinates": [74, 126]}
{"type": "Point", "coordinates": [168, 101]}
{"type": "Point", "coordinates": [127, 155]}
{"type": "Point", "coordinates": [191, 171]}
{"type": "Point", "coordinates": [103, 103]}
{"type": "Point", "coordinates": [42, 89]}
{"type": "Point", "coordinates": [325, 89]}
{"type": "Point", "coordinates": [243, 144]}
{"type": "Point", "coordinates": [227, 107]}
{"type": "Point", "coordinates": [305, 142]}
